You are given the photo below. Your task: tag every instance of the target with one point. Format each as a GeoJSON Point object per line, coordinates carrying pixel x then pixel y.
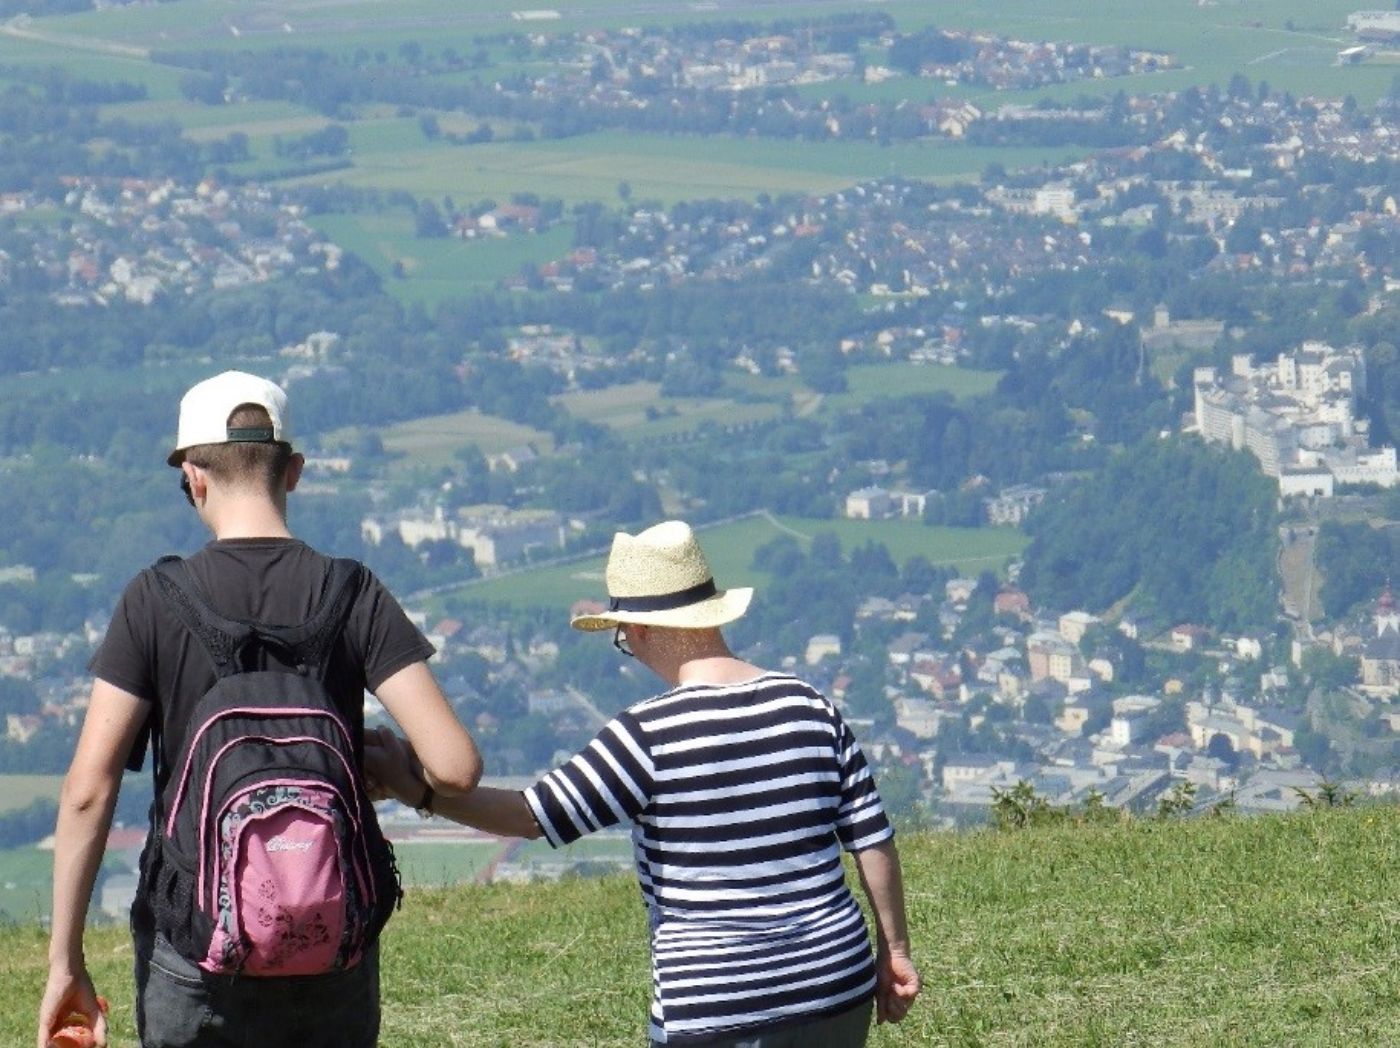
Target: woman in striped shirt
{"type": "Point", "coordinates": [742, 788]}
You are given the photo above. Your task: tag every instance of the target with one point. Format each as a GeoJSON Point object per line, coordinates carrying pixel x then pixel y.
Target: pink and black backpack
{"type": "Point", "coordinates": [269, 859]}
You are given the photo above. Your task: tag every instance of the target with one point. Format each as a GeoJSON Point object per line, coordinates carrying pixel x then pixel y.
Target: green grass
{"type": "Point", "coordinates": [1278, 930]}
{"type": "Point", "coordinates": [730, 548]}
{"type": "Point", "coordinates": [19, 791]}
{"type": "Point", "coordinates": [664, 168]}
{"type": "Point", "coordinates": [26, 883]}
{"type": "Point", "coordinates": [894, 380]}
{"type": "Point", "coordinates": [440, 267]}
{"type": "Point", "coordinates": [437, 864]}
{"type": "Point", "coordinates": [433, 440]}
{"type": "Point", "coordinates": [624, 408]}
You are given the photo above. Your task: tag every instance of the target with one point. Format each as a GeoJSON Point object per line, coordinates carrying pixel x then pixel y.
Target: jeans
{"type": "Point", "coordinates": [180, 1006]}
{"type": "Point", "coordinates": [848, 1029]}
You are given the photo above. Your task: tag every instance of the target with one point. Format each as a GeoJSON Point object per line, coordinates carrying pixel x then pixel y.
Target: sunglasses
{"type": "Point", "coordinates": [620, 643]}
{"type": "Point", "coordinates": [185, 487]}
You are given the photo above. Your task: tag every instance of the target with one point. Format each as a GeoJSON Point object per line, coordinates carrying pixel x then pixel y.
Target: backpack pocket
{"type": "Point", "coordinates": [283, 894]}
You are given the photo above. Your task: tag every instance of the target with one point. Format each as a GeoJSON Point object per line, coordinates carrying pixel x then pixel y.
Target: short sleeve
{"type": "Point", "coordinates": [127, 652]}
{"type": "Point", "coordinates": [860, 821]}
{"type": "Point", "coordinates": [607, 783]}
{"type": "Point", "coordinates": [381, 629]}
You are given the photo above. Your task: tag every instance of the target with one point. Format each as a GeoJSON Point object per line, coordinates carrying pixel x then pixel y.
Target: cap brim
{"type": "Point", "coordinates": [723, 607]}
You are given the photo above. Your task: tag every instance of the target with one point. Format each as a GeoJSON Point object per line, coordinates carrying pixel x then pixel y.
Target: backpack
{"type": "Point", "coordinates": [267, 858]}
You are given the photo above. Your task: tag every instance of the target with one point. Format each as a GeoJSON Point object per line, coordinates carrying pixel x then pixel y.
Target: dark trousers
{"type": "Point", "coordinates": [180, 1006]}
{"type": "Point", "coordinates": [848, 1029]}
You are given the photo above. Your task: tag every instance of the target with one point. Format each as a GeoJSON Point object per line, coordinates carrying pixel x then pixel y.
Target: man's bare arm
{"type": "Point", "coordinates": [114, 718]}
{"type": "Point", "coordinates": [450, 760]}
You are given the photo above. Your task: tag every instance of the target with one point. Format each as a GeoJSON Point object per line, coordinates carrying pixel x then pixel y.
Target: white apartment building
{"type": "Point", "coordinates": [1297, 416]}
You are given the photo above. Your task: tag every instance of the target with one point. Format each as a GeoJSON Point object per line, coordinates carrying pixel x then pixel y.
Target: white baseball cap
{"type": "Point", "coordinates": [207, 407]}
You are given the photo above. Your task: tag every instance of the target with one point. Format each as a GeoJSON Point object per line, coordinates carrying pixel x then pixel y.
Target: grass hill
{"type": "Point", "coordinates": [1279, 930]}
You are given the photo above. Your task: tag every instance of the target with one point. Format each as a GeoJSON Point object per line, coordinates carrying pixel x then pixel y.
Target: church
{"type": "Point", "coordinates": [1380, 652]}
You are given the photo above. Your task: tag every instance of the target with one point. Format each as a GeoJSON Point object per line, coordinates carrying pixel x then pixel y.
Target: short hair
{"type": "Point", "coordinates": [238, 463]}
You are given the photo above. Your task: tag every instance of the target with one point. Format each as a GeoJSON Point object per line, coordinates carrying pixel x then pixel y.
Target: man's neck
{"type": "Point", "coordinates": [248, 519]}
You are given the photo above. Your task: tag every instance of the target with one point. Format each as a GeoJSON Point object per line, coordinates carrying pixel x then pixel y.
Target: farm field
{"type": "Point", "coordinates": [730, 548]}
{"type": "Point", "coordinates": [441, 864]}
{"type": "Point", "coordinates": [19, 791]}
{"type": "Point", "coordinates": [624, 408]}
{"type": "Point", "coordinates": [438, 268]}
{"type": "Point", "coordinates": [26, 884]}
{"type": "Point", "coordinates": [433, 440]}
{"type": "Point", "coordinates": [664, 168]}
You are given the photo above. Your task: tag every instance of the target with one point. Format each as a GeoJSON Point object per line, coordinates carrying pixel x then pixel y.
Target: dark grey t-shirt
{"type": "Point", "coordinates": [148, 651]}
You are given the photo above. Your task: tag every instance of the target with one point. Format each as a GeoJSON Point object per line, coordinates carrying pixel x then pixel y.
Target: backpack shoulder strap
{"type": "Point", "coordinates": [307, 646]}
{"type": "Point", "coordinates": [222, 638]}
{"type": "Point", "coordinates": [310, 645]}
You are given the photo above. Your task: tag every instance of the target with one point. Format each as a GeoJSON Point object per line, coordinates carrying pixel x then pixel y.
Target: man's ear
{"type": "Point", "coordinates": [199, 486]}
{"type": "Point", "coordinates": [294, 467]}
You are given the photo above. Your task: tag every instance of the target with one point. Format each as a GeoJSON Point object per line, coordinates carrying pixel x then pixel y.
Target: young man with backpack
{"type": "Point", "coordinates": [265, 879]}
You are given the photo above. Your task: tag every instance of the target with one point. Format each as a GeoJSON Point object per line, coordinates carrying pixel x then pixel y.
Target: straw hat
{"type": "Point", "coordinates": [661, 578]}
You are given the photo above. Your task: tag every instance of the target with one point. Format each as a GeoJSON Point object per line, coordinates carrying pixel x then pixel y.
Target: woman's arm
{"type": "Point", "coordinates": [897, 980]}
{"type": "Point", "coordinates": [394, 768]}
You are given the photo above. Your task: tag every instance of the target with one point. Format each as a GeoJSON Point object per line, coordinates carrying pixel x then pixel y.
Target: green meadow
{"type": "Point", "coordinates": [730, 548]}
{"type": "Point", "coordinates": [432, 269]}
{"type": "Point", "coordinates": [26, 885]}
{"type": "Point", "coordinates": [19, 791]}
{"type": "Point", "coordinates": [624, 409]}
{"type": "Point", "coordinates": [1240, 932]}
{"type": "Point", "coordinates": [664, 168]}
{"type": "Point", "coordinates": [434, 440]}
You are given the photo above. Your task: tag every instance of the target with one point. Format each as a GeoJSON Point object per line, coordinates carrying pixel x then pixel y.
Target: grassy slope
{"type": "Point", "coordinates": [1267, 931]}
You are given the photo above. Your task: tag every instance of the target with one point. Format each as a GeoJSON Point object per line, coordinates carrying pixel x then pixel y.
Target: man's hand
{"type": "Point", "coordinates": [391, 769]}
{"type": "Point", "coordinates": [70, 994]}
{"type": "Point", "coordinates": [896, 985]}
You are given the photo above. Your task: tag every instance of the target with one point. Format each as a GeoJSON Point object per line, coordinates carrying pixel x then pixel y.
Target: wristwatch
{"type": "Point", "coordinates": [424, 807]}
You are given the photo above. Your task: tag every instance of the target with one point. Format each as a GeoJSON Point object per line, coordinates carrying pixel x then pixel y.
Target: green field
{"type": "Point", "coordinates": [730, 548]}
{"type": "Point", "coordinates": [433, 440]}
{"type": "Point", "coordinates": [439, 864]}
{"type": "Point", "coordinates": [26, 884]}
{"type": "Point", "coordinates": [1247, 933]}
{"type": "Point", "coordinates": [19, 791]}
{"type": "Point", "coordinates": [664, 168]}
{"type": "Point", "coordinates": [624, 408]}
{"type": "Point", "coordinates": [439, 267]}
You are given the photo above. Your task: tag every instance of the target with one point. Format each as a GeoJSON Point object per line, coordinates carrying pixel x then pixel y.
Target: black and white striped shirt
{"type": "Point", "coordinates": [741, 798]}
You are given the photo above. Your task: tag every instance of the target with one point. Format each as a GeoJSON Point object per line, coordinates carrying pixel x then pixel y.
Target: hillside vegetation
{"type": "Point", "coordinates": [1218, 931]}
